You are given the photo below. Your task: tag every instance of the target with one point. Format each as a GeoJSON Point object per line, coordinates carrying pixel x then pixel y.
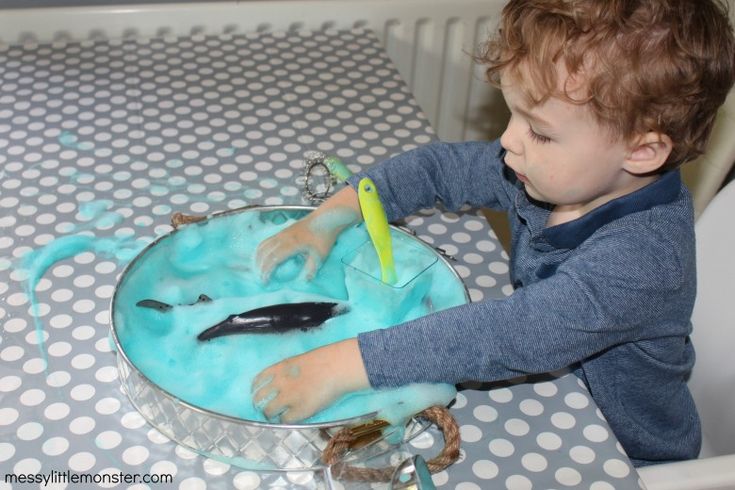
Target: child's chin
{"type": "Point", "coordinates": [532, 192]}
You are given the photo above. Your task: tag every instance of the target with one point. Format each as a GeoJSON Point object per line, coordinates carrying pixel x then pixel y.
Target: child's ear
{"type": "Point", "coordinates": [648, 153]}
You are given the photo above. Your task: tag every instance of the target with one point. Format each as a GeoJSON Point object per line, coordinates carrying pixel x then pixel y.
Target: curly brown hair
{"type": "Point", "coordinates": [647, 65]}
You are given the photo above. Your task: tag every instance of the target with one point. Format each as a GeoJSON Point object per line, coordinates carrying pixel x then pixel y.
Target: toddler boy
{"type": "Point", "coordinates": [607, 99]}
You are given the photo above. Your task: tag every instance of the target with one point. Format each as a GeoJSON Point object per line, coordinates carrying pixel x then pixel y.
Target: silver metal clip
{"type": "Point", "coordinates": [412, 474]}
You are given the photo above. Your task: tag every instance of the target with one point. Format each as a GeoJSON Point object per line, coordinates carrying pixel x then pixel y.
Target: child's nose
{"type": "Point", "coordinates": [509, 139]}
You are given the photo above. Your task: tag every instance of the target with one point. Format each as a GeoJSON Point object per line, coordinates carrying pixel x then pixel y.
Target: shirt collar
{"type": "Point", "coordinates": [572, 233]}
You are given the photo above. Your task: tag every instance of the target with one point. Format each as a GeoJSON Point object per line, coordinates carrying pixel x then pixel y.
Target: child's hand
{"type": "Point", "coordinates": [312, 237]}
{"type": "Point", "coordinates": [297, 239]}
{"type": "Point", "coordinates": [298, 387]}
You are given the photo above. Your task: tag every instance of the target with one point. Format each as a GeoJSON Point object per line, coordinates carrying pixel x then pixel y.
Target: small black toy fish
{"type": "Point", "coordinates": [163, 307]}
{"type": "Point", "coordinates": [275, 319]}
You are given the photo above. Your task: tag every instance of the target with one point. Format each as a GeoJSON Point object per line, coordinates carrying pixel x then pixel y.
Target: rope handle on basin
{"type": "Point", "coordinates": [345, 438]}
{"type": "Point", "coordinates": [178, 218]}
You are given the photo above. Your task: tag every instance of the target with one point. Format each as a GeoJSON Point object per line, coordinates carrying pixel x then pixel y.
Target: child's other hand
{"type": "Point", "coordinates": [312, 237]}
{"type": "Point", "coordinates": [298, 387]}
{"type": "Point", "coordinates": [297, 239]}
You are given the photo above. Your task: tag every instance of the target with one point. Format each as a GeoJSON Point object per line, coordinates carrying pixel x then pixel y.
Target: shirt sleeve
{"type": "Point", "coordinates": [454, 173]}
{"type": "Point", "coordinates": [612, 292]}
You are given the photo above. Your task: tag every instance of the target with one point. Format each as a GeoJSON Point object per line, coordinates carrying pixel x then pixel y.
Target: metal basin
{"type": "Point", "coordinates": [244, 443]}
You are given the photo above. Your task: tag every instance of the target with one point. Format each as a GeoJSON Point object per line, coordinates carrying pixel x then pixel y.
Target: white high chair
{"type": "Point", "coordinates": [713, 380]}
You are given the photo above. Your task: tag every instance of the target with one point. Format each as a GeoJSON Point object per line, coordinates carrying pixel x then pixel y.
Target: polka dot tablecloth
{"type": "Point", "coordinates": [101, 141]}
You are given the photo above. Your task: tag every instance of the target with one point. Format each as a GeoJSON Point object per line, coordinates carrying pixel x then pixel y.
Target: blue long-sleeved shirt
{"type": "Point", "coordinates": [609, 294]}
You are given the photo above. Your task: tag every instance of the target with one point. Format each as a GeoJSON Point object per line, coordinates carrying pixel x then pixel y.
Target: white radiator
{"type": "Point", "coordinates": [430, 41]}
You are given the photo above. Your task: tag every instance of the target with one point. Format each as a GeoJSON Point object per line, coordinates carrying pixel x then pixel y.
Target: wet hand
{"type": "Point", "coordinates": [294, 389]}
{"type": "Point", "coordinates": [295, 240]}
{"type": "Point", "coordinates": [311, 237]}
{"type": "Point", "coordinates": [298, 387]}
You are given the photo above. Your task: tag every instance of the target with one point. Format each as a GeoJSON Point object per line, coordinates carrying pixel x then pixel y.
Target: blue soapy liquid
{"type": "Point", "coordinates": [91, 210]}
{"type": "Point", "coordinates": [38, 261]}
{"type": "Point", "coordinates": [70, 140]}
{"type": "Point", "coordinates": [159, 190]}
{"type": "Point", "coordinates": [217, 258]}
{"type": "Point", "coordinates": [289, 270]}
{"type": "Point", "coordinates": [108, 220]}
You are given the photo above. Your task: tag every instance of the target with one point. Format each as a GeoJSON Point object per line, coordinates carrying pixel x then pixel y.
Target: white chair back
{"type": "Point", "coordinates": [713, 379]}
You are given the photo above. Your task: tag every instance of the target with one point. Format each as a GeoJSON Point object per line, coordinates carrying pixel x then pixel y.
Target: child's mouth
{"type": "Point", "coordinates": [522, 177]}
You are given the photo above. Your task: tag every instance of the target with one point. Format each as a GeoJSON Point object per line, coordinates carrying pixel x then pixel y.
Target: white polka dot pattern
{"type": "Point", "coordinates": [105, 139]}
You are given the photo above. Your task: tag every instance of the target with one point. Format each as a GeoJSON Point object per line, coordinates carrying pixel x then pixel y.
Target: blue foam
{"type": "Point", "coordinates": [216, 258]}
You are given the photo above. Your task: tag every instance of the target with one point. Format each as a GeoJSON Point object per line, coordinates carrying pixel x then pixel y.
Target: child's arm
{"type": "Point", "coordinates": [298, 387]}
{"type": "Point", "coordinates": [621, 289]}
{"type": "Point", "coordinates": [312, 236]}
{"type": "Point", "coordinates": [454, 173]}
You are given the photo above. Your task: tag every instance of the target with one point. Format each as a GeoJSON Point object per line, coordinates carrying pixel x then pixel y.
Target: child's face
{"type": "Point", "coordinates": [561, 153]}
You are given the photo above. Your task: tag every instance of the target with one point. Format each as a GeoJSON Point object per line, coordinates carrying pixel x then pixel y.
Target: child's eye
{"type": "Point", "coordinates": [538, 138]}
